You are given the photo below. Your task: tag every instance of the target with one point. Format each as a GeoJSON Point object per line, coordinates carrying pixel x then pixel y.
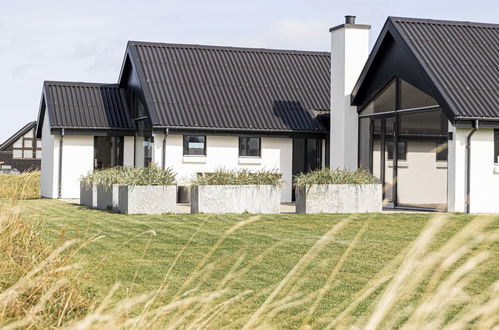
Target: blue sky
{"type": "Point", "coordinates": [85, 40]}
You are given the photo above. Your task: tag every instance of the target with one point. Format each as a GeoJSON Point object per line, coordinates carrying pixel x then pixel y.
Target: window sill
{"type": "Point", "coordinates": [250, 160]}
{"type": "Point", "coordinates": [401, 164]}
{"type": "Point", "coordinates": [496, 168]}
{"type": "Point", "coordinates": [194, 159]}
{"type": "Point", "coordinates": [441, 164]}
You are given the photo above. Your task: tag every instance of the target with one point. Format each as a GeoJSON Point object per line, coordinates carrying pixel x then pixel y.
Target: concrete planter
{"type": "Point", "coordinates": [88, 195]}
{"type": "Point", "coordinates": [108, 198]}
{"type": "Point", "coordinates": [236, 199]}
{"type": "Point", "coordinates": [147, 199]}
{"type": "Point", "coordinates": [339, 198]}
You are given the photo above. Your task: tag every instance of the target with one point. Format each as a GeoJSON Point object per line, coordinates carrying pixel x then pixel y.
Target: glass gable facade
{"type": "Point", "coordinates": [403, 141]}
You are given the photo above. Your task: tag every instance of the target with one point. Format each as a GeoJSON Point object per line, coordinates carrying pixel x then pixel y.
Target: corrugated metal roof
{"type": "Point", "coordinates": [86, 105]}
{"type": "Point", "coordinates": [234, 88]}
{"type": "Point", "coordinates": [463, 60]}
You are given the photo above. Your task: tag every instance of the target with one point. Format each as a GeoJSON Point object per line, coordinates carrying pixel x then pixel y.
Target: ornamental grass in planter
{"type": "Point", "coordinates": [88, 190]}
{"type": "Point", "coordinates": [148, 190]}
{"type": "Point", "coordinates": [337, 191]}
{"type": "Point", "coordinates": [236, 191]}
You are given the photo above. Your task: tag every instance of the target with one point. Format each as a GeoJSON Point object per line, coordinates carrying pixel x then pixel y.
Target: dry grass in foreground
{"type": "Point", "coordinates": [21, 186]}
{"type": "Point", "coordinates": [424, 286]}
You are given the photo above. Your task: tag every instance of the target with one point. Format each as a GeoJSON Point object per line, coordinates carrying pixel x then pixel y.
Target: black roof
{"type": "Point", "coordinates": [460, 58]}
{"type": "Point", "coordinates": [77, 105]}
{"type": "Point", "coordinates": [25, 129]}
{"type": "Point", "coordinates": [194, 86]}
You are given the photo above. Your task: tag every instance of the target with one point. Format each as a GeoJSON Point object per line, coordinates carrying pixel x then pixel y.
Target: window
{"type": "Point", "coordinates": [148, 144]}
{"type": "Point", "coordinates": [402, 150]}
{"type": "Point", "coordinates": [441, 151]}
{"type": "Point", "coordinates": [27, 147]}
{"type": "Point", "coordinates": [249, 147]}
{"type": "Point", "coordinates": [384, 101]}
{"type": "Point", "coordinates": [194, 145]}
{"type": "Point", "coordinates": [411, 97]}
{"type": "Point", "coordinates": [496, 146]}
{"type": "Point", "coordinates": [108, 151]}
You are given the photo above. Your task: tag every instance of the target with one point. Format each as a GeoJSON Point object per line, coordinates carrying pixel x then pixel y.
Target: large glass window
{"type": "Point", "coordinates": [422, 181]}
{"type": "Point", "coordinates": [108, 151]}
{"type": "Point", "coordinates": [411, 97]}
{"type": "Point", "coordinates": [384, 101]}
{"type": "Point", "coordinates": [194, 145]}
{"type": "Point", "coordinates": [401, 150]}
{"type": "Point", "coordinates": [441, 151]}
{"type": "Point", "coordinates": [365, 143]}
{"type": "Point", "coordinates": [416, 175]}
{"type": "Point", "coordinates": [249, 147]}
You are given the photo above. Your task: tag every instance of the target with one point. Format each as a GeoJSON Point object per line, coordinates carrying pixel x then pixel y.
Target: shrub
{"type": "Point", "coordinates": [338, 176]}
{"type": "Point", "coordinates": [238, 177]}
{"type": "Point", "coordinates": [21, 186]}
{"type": "Point", "coordinates": [151, 175]}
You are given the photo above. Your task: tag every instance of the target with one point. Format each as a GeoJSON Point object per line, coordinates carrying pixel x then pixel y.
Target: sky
{"type": "Point", "coordinates": [85, 40]}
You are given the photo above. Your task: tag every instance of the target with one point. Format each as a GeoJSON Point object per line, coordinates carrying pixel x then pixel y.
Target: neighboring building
{"type": "Point", "coordinates": [421, 112]}
{"type": "Point", "coordinates": [192, 108]}
{"type": "Point", "coordinates": [22, 151]}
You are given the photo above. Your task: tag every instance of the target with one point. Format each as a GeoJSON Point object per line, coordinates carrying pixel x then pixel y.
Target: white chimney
{"type": "Point", "coordinates": [349, 53]}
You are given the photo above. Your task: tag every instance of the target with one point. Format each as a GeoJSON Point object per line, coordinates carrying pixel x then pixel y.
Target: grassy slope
{"type": "Point", "coordinates": [132, 255]}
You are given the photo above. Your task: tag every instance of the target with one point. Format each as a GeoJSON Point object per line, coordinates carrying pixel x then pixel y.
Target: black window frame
{"type": "Point", "coordinates": [402, 152]}
{"type": "Point", "coordinates": [441, 155]}
{"type": "Point", "coordinates": [496, 146]}
{"type": "Point", "coordinates": [259, 147]}
{"type": "Point", "coordinates": [185, 146]}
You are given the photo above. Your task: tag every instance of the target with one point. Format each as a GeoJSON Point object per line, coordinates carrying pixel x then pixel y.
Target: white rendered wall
{"type": "Point", "coordinates": [128, 151]}
{"type": "Point", "coordinates": [77, 160]}
{"type": "Point", "coordinates": [49, 165]}
{"type": "Point", "coordinates": [349, 53]}
{"type": "Point", "coordinates": [223, 152]}
{"type": "Point", "coordinates": [484, 189]}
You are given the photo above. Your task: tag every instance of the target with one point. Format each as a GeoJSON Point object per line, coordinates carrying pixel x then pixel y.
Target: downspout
{"type": "Point", "coordinates": [468, 166]}
{"type": "Point", "coordinates": [164, 148]}
{"type": "Point", "coordinates": [59, 186]}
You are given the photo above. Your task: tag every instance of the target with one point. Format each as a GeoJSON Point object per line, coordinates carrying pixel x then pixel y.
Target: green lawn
{"type": "Point", "coordinates": [137, 251]}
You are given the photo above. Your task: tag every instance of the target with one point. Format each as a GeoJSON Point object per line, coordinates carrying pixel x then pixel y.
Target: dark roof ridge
{"type": "Point", "coordinates": [229, 48]}
{"type": "Point", "coordinates": [78, 83]}
{"type": "Point", "coordinates": [443, 22]}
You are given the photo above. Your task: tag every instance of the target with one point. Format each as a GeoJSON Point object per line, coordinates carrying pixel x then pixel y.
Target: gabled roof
{"type": "Point", "coordinates": [25, 129]}
{"type": "Point", "coordinates": [194, 86]}
{"type": "Point", "coordinates": [460, 58]}
{"type": "Point", "coordinates": [89, 106]}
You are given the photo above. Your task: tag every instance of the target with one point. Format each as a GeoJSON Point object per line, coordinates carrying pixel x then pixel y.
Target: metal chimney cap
{"type": "Point", "coordinates": [349, 19]}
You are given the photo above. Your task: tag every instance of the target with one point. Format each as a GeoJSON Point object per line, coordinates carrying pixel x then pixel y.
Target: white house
{"type": "Point", "coordinates": [192, 108]}
{"type": "Point", "coordinates": [420, 111]}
